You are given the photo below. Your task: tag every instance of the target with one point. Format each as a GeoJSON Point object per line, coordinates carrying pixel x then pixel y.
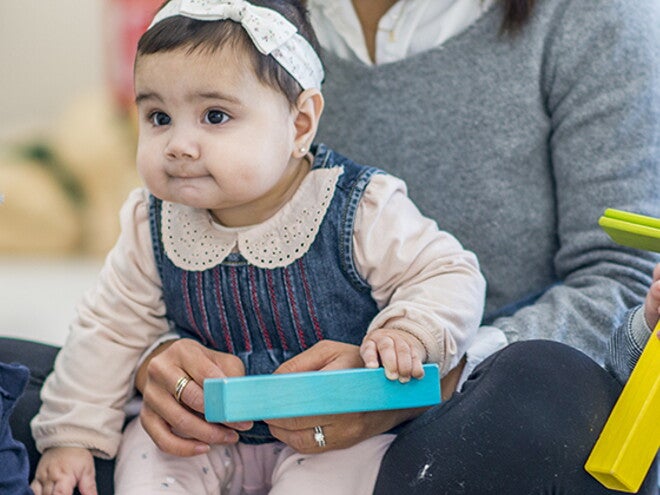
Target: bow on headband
{"type": "Point", "coordinates": [270, 32]}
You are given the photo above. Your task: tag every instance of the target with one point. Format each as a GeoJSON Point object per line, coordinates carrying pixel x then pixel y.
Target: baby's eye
{"type": "Point", "coordinates": [160, 118]}
{"type": "Point", "coordinates": [216, 117]}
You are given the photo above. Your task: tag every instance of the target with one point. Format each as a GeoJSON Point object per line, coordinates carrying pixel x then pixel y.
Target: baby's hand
{"type": "Point", "coordinates": [62, 469]}
{"type": "Point", "coordinates": [400, 353]}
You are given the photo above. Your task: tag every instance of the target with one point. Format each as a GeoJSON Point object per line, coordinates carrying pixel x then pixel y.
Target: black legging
{"type": "Point", "coordinates": [524, 423]}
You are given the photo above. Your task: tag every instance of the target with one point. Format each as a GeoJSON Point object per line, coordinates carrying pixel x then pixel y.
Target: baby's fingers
{"type": "Point", "coordinates": [62, 486]}
{"type": "Point", "coordinates": [418, 369]}
{"type": "Point", "coordinates": [87, 483]}
{"type": "Point", "coordinates": [388, 357]}
{"type": "Point", "coordinates": [37, 488]}
{"type": "Point", "coordinates": [404, 354]}
{"type": "Point", "coordinates": [369, 353]}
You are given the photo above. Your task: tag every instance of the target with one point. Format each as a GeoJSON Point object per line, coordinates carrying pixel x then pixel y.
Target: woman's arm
{"type": "Point", "coordinates": [628, 341]}
{"type": "Point", "coordinates": [601, 87]}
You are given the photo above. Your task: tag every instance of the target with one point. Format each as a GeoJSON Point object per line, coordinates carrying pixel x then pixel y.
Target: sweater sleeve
{"type": "Point", "coordinates": [627, 343]}
{"type": "Point", "coordinates": [116, 321]}
{"type": "Point", "coordinates": [422, 279]}
{"type": "Point", "coordinates": [601, 82]}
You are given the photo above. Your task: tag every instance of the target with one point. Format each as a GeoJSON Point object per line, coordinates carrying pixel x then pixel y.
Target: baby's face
{"type": "Point", "coordinates": [212, 135]}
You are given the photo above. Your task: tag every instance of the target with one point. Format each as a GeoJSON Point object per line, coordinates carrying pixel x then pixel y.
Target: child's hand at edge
{"type": "Point", "coordinates": [400, 353]}
{"type": "Point", "coordinates": [61, 469]}
{"type": "Point", "coordinates": [652, 302]}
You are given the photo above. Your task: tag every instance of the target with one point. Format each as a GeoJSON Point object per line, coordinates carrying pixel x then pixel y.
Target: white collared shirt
{"type": "Point", "coordinates": [408, 28]}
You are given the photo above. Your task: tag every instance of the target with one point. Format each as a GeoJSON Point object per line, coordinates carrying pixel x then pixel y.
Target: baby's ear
{"type": "Point", "coordinates": [309, 108]}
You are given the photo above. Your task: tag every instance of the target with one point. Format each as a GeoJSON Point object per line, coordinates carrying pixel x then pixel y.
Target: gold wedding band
{"type": "Point", "coordinates": [180, 385]}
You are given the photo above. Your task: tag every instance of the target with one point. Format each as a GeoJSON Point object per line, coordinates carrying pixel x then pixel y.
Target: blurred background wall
{"type": "Point", "coordinates": [67, 145]}
{"type": "Point", "coordinates": [67, 123]}
{"type": "Point", "coordinates": [50, 51]}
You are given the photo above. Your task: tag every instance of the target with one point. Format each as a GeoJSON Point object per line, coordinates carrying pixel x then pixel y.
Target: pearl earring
{"type": "Point", "coordinates": [302, 149]}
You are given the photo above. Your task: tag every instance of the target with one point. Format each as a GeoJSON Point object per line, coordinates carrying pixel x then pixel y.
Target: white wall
{"type": "Point", "coordinates": [50, 50]}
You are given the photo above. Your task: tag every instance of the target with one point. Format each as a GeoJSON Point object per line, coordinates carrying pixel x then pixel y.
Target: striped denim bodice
{"type": "Point", "coordinates": [265, 316]}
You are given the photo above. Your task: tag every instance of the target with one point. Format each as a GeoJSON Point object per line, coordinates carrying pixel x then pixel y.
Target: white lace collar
{"type": "Point", "coordinates": [193, 241]}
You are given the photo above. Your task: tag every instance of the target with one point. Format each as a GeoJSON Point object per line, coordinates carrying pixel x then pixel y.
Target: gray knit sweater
{"type": "Point", "coordinates": [517, 145]}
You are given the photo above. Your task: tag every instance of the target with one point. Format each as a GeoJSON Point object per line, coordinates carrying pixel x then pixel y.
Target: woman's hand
{"type": "Point", "coordinates": [340, 430]}
{"type": "Point", "coordinates": [176, 429]}
{"type": "Point", "coordinates": [324, 355]}
{"type": "Point", "coordinates": [652, 303]}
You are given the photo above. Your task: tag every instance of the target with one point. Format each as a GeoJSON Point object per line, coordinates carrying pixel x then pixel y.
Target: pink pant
{"type": "Point", "coordinates": [244, 469]}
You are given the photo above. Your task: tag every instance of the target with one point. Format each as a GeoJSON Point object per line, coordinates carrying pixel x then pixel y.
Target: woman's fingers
{"type": "Point", "coordinates": [301, 434]}
{"type": "Point", "coordinates": [324, 355]}
{"type": "Point", "coordinates": [173, 397]}
{"type": "Point", "coordinates": [303, 441]}
{"type": "Point", "coordinates": [184, 359]}
{"type": "Point", "coordinates": [169, 437]}
{"type": "Point", "coordinates": [652, 303]}
{"type": "Point", "coordinates": [340, 430]}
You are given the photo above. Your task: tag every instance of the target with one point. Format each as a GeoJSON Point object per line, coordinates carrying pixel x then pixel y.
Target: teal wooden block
{"type": "Point", "coordinates": [252, 398]}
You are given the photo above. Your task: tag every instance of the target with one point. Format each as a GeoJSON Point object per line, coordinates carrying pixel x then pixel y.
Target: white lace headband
{"type": "Point", "coordinates": [270, 32]}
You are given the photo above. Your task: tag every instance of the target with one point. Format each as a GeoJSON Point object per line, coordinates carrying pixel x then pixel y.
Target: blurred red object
{"type": "Point", "coordinates": [125, 21]}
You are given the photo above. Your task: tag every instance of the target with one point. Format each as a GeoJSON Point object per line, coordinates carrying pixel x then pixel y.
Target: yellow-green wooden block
{"type": "Point", "coordinates": [630, 439]}
{"type": "Point", "coordinates": [631, 229]}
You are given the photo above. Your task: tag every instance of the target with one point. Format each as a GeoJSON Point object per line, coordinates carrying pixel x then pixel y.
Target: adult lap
{"type": "Point", "coordinates": [524, 422]}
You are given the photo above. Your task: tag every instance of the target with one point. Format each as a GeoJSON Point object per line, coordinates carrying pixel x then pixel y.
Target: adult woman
{"type": "Point", "coordinates": [514, 129]}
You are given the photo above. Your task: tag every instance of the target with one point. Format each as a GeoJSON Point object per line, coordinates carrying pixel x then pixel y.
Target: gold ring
{"type": "Point", "coordinates": [180, 385]}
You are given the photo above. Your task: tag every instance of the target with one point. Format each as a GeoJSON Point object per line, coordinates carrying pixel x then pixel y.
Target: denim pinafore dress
{"type": "Point", "coordinates": [266, 316]}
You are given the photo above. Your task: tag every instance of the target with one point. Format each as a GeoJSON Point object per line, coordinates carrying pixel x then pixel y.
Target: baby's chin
{"type": "Point", "coordinates": [188, 191]}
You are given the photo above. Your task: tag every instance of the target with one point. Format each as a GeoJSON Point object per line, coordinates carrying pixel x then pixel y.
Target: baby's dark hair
{"type": "Point", "coordinates": [177, 32]}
